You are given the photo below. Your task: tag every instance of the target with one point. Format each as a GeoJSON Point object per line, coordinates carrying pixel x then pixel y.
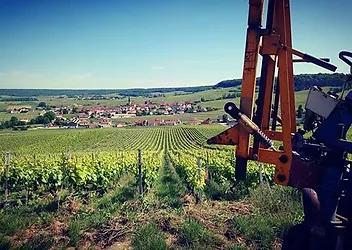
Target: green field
{"type": "Point", "coordinates": [46, 141]}
{"type": "Point", "coordinates": [80, 188]}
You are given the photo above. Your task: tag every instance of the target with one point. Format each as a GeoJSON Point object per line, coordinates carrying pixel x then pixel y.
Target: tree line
{"type": "Point", "coordinates": [301, 82]}
{"type": "Point", "coordinates": [16, 124]}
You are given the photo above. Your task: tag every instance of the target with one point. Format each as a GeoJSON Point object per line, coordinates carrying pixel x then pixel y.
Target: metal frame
{"type": "Point", "coordinates": [274, 44]}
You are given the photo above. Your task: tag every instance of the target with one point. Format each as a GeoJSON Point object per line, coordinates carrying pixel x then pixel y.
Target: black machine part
{"type": "Point", "coordinates": [248, 124]}
{"type": "Point", "coordinates": [329, 204]}
{"type": "Point", "coordinates": [346, 56]}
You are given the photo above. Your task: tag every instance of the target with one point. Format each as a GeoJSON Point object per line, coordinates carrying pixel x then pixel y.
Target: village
{"type": "Point", "coordinates": [102, 116]}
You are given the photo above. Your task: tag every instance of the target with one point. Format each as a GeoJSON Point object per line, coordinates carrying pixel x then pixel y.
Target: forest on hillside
{"type": "Point", "coordinates": [302, 81]}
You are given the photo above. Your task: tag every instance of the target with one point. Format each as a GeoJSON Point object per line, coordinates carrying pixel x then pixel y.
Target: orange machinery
{"type": "Point", "coordinates": [274, 44]}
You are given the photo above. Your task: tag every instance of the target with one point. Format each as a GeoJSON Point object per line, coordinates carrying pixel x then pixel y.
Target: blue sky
{"type": "Point", "coordinates": [130, 43]}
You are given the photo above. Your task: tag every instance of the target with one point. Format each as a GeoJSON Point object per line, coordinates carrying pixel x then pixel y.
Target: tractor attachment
{"type": "Point", "coordinates": [253, 134]}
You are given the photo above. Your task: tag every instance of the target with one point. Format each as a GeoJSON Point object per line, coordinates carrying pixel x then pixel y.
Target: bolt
{"type": "Point", "coordinates": [283, 158]}
{"type": "Point", "coordinates": [281, 177]}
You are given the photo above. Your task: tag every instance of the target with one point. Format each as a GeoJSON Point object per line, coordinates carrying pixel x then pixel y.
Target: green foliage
{"type": "Point", "coordinates": [40, 242]}
{"type": "Point", "coordinates": [206, 170]}
{"type": "Point", "coordinates": [5, 243]}
{"type": "Point", "coordinates": [127, 193]}
{"type": "Point", "coordinates": [302, 81]}
{"type": "Point", "coordinates": [170, 188]}
{"type": "Point", "coordinates": [220, 191]}
{"type": "Point", "coordinates": [90, 92]}
{"type": "Point", "coordinates": [257, 229]}
{"type": "Point", "coordinates": [276, 210]}
{"type": "Point", "coordinates": [238, 247]}
{"type": "Point", "coordinates": [50, 115]}
{"type": "Point", "coordinates": [80, 172]}
{"type": "Point", "coordinates": [194, 235]}
{"type": "Point", "coordinates": [14, 220]}
{"type": "Point", "coordinates": [12, 123]}
{"type": "Point", "coordinates": [97, 171]}
{"type": "Point", "coordinates": [93, 140]}
{"type": "Point", "coordinates": [149, 237]}
{"type": "Point", "coordinates": [42, 105]}
{"type": "Point", "coordinates": [74, 231]}
{"type": "Point", "coordinates": [40, 120]}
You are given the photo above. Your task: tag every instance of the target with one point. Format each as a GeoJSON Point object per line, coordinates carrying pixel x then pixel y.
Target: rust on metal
{"type": "Point", "coordinates": [304, 174]}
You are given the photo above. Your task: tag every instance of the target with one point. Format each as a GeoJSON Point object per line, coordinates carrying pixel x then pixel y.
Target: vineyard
{"type": "Point", "coordinates": [84, 179]}
{"type": "Point", "coordinates": [93, 140]}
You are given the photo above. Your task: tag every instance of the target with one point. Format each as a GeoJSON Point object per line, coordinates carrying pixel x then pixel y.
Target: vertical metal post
{"type": "Point", "coordinates": [264, 99]}
{"type": "Point", "coordinates": [122, 160]}
{"type": "Point", "coordinates": [287, 105]}
{"type": "Point", "coordinates": [140, 173]}
{"type": "Point", "coordinates": [7, 166]}
{"type": "Point", "coordinates": [199, 169]}
{"type": "Point", "coordinates": [260, 174]}
{"type": "Point", "coordinates": [207, 168]}
{"type": "Point", "coordinates": [248, 82]}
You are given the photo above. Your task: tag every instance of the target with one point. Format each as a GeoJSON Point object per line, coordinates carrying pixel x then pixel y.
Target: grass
{"type": "Point", "coordinates": [74, 231]}
{"type": "Point", "coordinates": [102, 209]}
{"type": "Point", "coordinates": [39, 242]}
{"type": "Point", "coordinates": [217, 191]}
{"type": "Point", "coordinates": [170, 188]}
{"type": "Point", "coordinates": [5, 243]}
{"type": "Point", "coordinates": [194, 235]}
{"type": "Point", "coordinates": [149, 237]}
{"type": "Point", "coordinates": [275, 211]}
{"type": "Point", "coordinates": [12, 220]}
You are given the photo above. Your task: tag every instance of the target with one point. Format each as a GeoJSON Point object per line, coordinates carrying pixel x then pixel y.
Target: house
{"type": "Point", "coordinates": [14, 110]}
{"type": "Point", "coordinates": [104, 123]}
{"type": "Point", "coordinates": [73, 123]}
{"type": "Point", "coordinates": [120, 125]}
{"type": "Point", "coordinates": [155, 122]}
{"type": "Point", "coordinates": [172, 122]}
{"type": "Point", "coordinates": [83, 115]}
{"type": "Point", "coordinates": [123, 115]}
{"type": "Point", "coordinates": [24, 110]}
{"type": "Point", "coordinates": [141, 123]}
{"type": "Point", "coordinates": [83, 123]}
